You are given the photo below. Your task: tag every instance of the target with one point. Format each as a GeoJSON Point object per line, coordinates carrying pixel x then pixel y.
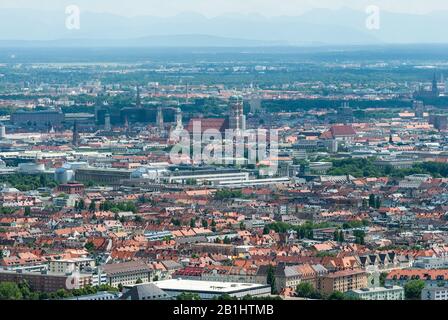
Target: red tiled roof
{"type": "Point", "coordinates": [220, 124]}
{"type": "Point", "coordinates": [342, 131]}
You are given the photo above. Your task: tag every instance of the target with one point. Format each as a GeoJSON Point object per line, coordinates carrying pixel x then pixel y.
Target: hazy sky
{"type": "Point", "coordinates": [218, 7]}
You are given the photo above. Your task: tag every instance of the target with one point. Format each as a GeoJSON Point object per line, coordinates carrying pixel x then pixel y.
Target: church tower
{"type": "Point", "coordinates": [237, 119]}
{"type": "Point", "coordinates": [179, 125]}
{"type": "Point", "coordinates": [138, 101]}
{"type": "Point", "coordinates": [75, 138]}
{"type": "Point", "coordinates": [159, 119]}
{"type": "Point", "coordinates": [107, 126]}
{"type": "Point", "coordinates": [435, 89]}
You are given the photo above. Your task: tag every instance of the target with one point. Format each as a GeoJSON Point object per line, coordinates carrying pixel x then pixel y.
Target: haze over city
{"type": "Point", "coordinates": [258, 22]}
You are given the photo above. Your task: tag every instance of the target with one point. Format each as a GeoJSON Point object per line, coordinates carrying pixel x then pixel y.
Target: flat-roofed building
{"type": "Point", "coordinates": [71, 188]}
{"type": "Point", "coordinates": [212, 175]}
{"type": "Point", "coordinates": [102, 175]}
{"type": "Point", "coordinates": [435, 293]}
{"type": "Point", "coordinates": [44, 118]}
{"type": "Point", "coordinates": [210, 289]}
{"type": "Point", "coordinates": [378, 293]}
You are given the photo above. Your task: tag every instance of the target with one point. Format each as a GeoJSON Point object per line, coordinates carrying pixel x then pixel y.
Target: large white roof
{"type": "Point", "coordinates": [205, 286]}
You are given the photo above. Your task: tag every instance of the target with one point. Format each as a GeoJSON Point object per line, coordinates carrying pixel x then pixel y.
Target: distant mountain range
{"type": "Point", "coordinates": [193, 40]}
{"type": "Point", "coordinates": [316, 27]}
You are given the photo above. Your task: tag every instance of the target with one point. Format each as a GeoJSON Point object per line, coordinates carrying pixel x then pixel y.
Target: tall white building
{"type": "Point", "coordinates": [107, 126]}
{"type": "Point", "coordinates": [2, 132]}
{"type": "Point", "coordinates": [179, 125]}
{"type": "Point", "coordinates": [159, 119]}
{"type": "Point", "coordinates": [237, 119]}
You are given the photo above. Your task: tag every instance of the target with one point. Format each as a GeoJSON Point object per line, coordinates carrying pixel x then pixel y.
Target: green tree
{"type": "Point", "coordinates": [266, 230]}
{"type": "Point", "coordinates": [359, 236]}
{"type": "Point", "coordinates": [10, 291]}
{"type": "Point", "coordinates": [377, 203]}
{"type": "Point", "coordinates": [89, 246]}
{"type": "Point", "coordinates": [188, 296]}
{"type": "Point", "coordinates": [27, 212]}
{"type": "Point", "coordinates": [336, 295]}
{"type": "Point", "coordinates": [341, 236]}
{"type": "Point", "coordinates": [372, 201]}
{"type": "Point", "coordinates": [80, 205]}
{"type": "Point", "coordinates": [383, 276]}
{"type": "Point", "coordinates": [336, 236]}
{"type": "Point", "coordinates": [43, 180]}
{"type": "Point", "coordinates": [224, 296]}
{"type": "Point", "coordinates": [413, 289]}
{"type": "Point", "coordinates": [92, 206]}
{"type": "Point", "coordinates": [306, 290]}
{"type": "Point", "coordinates": [271, 279]}
{"type": "Point", "coordinates": [226, 240]}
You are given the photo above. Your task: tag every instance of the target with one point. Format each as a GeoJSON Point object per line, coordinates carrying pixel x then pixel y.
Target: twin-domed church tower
{"type": "Point", "coordinates": [237, 119]}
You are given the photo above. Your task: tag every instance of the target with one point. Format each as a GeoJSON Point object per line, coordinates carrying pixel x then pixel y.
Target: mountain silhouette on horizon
{"type": "Point", "coordinates": [319, 26]}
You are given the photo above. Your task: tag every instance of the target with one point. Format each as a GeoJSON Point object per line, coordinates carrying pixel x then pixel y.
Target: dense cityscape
{"type": "Point", "coordinates": [222, 168]}
{"type": "Point", "coordinates": [95, 206]}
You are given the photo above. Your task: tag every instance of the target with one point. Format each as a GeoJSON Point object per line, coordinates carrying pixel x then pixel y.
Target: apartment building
{"type": "Point", "coordinates": [127, 273]}
{"type": "Point", "coordinates": [342, 281]}
{"type": "Point", "coordinates": [70, 265]}
{"type": "Point", "coordinates": [47, 282]}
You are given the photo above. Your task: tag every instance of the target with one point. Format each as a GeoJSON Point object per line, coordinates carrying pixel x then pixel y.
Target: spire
{"type": "Point", "coordinates": [435, 90]}
{"type": "Point", "coordinates": [75, 138]}
{"type": "Point", "coordinates": [237, 120]}
{"type": "Point", "coordinates": [107, 126]}
{"type": "Point", "coordinates": [126, 122]}
{"type": "Point", "coordinates": [159, 119]}
{"type": "Point", "coordinates": [138, 101]}
{"type": "Point", "coordinates": [179, 125]}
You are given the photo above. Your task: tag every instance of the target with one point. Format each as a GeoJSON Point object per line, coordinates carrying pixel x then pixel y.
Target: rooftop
{"type": "Point", "coordinates": [205, 286]}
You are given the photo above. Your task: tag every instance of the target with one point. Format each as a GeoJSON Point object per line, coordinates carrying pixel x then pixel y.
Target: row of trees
{"type": "Point", "coordinates": [228, 194]}
{"type": "Point", "coordinates": [22, 291]}
{"type": "Point", "coordinates": [27, 182]}
{"type": "Point", "coordinates": [115, 207]}
{"type": "Point", "coordinates": [412, 290]}
{"type": "Point", "coordinates": [307, 290]}
{"type": "Point", "coordinates": [303, 231]}
{"type": "Point", "coordinates": [127, 206]}
{"type": "Point", "coordinates": [194, 296]}
{"type": "Point", "coordinates": [367, 168]}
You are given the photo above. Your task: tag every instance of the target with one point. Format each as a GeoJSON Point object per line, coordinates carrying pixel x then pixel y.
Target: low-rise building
{"type": "Point", "coordinates": [435, 293]}
{"type": "Point", "coordinates": [210, 289]}
{"type": "Point", "coordinates": [378, 293]}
